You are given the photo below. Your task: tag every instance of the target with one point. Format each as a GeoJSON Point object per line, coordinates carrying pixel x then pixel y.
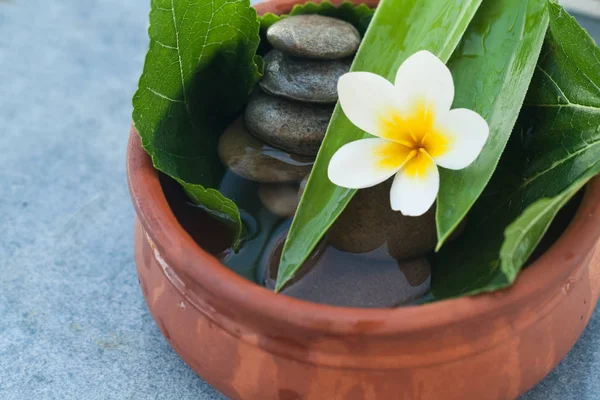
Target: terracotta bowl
{"type": "Point", "coordinates": [250, 343]}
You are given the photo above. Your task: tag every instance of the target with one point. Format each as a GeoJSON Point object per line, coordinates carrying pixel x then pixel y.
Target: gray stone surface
{"type": "Point", "coordinates": [314, 36]}
{"type": "Point", "coordinates": [286, 124]}
{"type": "Point", "coordinates": [255, 160]}
{"type": "Point", "coordinates": [280, 198]}
{"type": "Point", "coordinates": [73, 323]}
{"type": "Point", "coordinates": [299, 79]}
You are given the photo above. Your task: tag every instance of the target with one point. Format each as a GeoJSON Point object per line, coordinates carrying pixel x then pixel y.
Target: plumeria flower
{"type": "Point", "coordinates": [415, 128]}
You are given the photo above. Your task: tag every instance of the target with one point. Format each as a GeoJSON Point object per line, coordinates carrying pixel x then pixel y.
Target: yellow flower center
{"type": "Point", "coordinates": [416, 139]}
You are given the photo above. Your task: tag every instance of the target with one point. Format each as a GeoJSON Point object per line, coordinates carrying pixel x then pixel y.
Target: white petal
{"type": "Point", "coordinates": [415, 186]}
{"type": "Point", "coordinates": [365, 98]}
{"type": "Point", "coordinates": [365, 163]}
{"type": "Point", "coordinates": [466, 133]}
{"type": "Point", "coordinates": [425, 78]}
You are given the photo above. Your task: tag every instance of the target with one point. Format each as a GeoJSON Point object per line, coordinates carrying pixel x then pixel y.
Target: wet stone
{"type": "Point", "coordinates": [279, 198]}
{"type": "Point", "coordinates": [338, 278]}
{"type": "Point", "coordinates": [312, 81]}
{"type": "Point", "coordinates": [314, 36]}
{"type": "Point", "coordinates": [252, 159]}
{"type": "Point", "coordinates": [368, 223]}
{"type": "Point", "coordinates": [302, 186]}
{"type": "Point", "coordinates": [289, 125]}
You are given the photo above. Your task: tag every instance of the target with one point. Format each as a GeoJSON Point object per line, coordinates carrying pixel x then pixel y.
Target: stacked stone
{"type": "Point", "coordinates": [287, 117]}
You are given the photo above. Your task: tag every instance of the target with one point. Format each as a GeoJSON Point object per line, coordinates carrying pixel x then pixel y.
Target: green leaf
{"type": "Point", "coordinates": [215, 204]}
{"type": "Point", "coordinates": [399, 29]}
{"type": "Point", "coordinates": [522, 235]}
{"type": "Point", "coordinates": [492, 68]}
{"type": "Point", "coordinates": [198, 73]}
{"type": "Point", "coordinates": [358, 15]}
{"type": "Point", "coordinates": [554, 150]}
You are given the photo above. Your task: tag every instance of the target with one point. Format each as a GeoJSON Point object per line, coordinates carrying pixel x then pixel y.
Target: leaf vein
{"type": "Point", "coordinates": [163, 96]}
{"type": "Point", "coordinates": [183, 89]}
{"type": "Point", "coordinates": [560, 162]}
{"type": "Point", "coordinates": [165, 45]}
{"type": "Point", "coordinates": [554, 83]}
{"type": "Point", "coordinates": [569, 105]}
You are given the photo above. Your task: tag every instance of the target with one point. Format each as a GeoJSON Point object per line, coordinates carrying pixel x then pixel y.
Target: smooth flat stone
{"type": "Point", "coordinates": [279, 198]}
{"type": "Point", "coordinates": [343, 279]}
{"type": "Point", "coordinates": [289, 125]}
{"type": "Point", "coordinates": [312, 81]}
{"type": "Point", "coordinates": [369, 222]}
{"type": "Point", "coordinates": [314, 36]}
{"type": "Point", "coordinates": [252, 159]}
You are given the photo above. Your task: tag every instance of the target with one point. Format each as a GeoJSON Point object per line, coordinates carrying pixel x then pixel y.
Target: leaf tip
{"type": "Point", "coordinates": [278, 286]}
{"type": "Point", "coordinates": [439, 245]}
{"type": "Point", "coordinates": [442, 234]}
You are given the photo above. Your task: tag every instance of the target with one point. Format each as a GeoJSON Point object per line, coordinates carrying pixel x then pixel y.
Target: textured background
{"type": "Point", "coordinates": [73, 323]}
{"type": "Point", "coordinates": [587, 7]}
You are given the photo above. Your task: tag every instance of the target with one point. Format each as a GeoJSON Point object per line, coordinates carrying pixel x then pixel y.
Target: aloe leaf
{"type": "Point", "coordinates": [198, 73]}
{"type": "Point", "coordinates": [492, 68]}
{"type": "Point", "coordinates": [399, 29]}
{"type": "Point", "coordinates": [554, 150]}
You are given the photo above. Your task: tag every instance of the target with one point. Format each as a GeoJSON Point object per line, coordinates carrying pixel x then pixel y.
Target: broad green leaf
{"type": "Point", "coordinates": [492, 68]}
{"type": "Point", "coordinates": [200, 68]}
{"type": "Point", "coordinates": [399, 29]}
{"type": "Point", "coordinates": [554, 150]}
{"type": "Point", "coordinates": [358, 15]}
{"type": "Point", "coordinates": [523, 234]}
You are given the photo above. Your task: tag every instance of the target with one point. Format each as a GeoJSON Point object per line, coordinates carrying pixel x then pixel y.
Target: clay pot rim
{"type": "Point", "coordinates": [184, 256]}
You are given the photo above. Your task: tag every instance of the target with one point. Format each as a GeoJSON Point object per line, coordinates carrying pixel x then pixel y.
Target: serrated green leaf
{"type": "Point", "coordinates": [524, 233]}
{"type": "Point", "coordinates": [492, 68]}
{"type": "Point", "coordinates": [199, 70]}
{"type": "Point", "coordinates": [214, 203]}
{"type": "Point", "coordinates": [399, 29]}
{"type": "Point", "coordinates": [554, 150]}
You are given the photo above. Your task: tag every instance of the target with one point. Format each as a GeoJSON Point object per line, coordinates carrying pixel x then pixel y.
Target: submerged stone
{"type": "Point", "coordinates": [314, 36]}
{"type": "Point", "coordinates": [302, 186]}
{"type": "Point", "coordinates": [303, 80]}
{"type": "Point", "coordinates": [279, 198]}
{"type": "Point", "coordinates": [289, 125]}
{"type": "Point", "coordinates": [368, 222]}
{"type": "Point", "coordinates": [252, 159]}
{"type": "Point", "coordinates": [339, 278]}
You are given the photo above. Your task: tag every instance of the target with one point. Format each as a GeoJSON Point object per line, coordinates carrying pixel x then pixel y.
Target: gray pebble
{"type": "Point", "coordinates": [289, 125]}
{"type": "Point", "coordinates": [314, 36]}
{"type": "Point", "coordinates": [313, 81]}
{"type": "Point", "coordinates": [279, 198]}
{"type": "Point", "coordinates": [368, 222]}
{"type": "Point", "coordinates": [252, 159]}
